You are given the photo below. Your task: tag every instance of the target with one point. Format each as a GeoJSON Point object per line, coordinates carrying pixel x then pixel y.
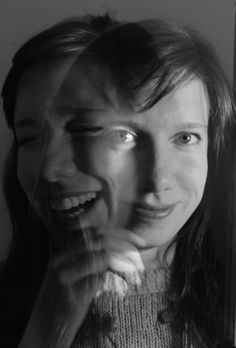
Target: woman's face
{"type": "Point", "coordinates": [85, 159]}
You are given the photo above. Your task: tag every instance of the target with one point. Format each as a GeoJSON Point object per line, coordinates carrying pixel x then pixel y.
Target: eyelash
{"type": "Point", "coordinates": [101, 132]}
{"type": "Point", "coordinates": [188, 134]}
{"type": "Point", "coordinates": [111, 135]}
{"type": "Point", "coordinates": [123, 132]}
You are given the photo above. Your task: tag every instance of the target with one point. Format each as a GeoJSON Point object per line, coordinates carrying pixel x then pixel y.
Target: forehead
{"type": "Point", "coordinates": [64, 84]}
{"type": "Point", "coordinates": [42, 81]}
{"type": "Point", "coordinates": [189, 101]}
{"type": "Point", "coordinates": [49, 81]}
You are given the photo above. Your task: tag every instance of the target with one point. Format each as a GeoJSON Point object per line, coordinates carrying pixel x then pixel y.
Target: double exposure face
{"type": "Point", "coordinates": [86, 159]}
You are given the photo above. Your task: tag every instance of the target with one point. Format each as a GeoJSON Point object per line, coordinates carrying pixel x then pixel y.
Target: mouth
{"type": "Point", "coordinates": [73, 206]}
{"type": "Point", "coordinates": [153, 212]}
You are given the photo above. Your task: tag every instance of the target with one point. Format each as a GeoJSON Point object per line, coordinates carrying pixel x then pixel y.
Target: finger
{"type": "Point", "coordinates": [76, 251]}
{"type": "Point", "coordinates": [73, 257]}
{"type": "Point", "coordinates": [89, 286]}
{"type": "Point", "coordinates": [87, 289]}
{"type": "Point", "coordinates": [92, 239]}
{"type": "Point", "coordinates": [84, 267]}
{"type": "Point", "coordinates": [125, 253]}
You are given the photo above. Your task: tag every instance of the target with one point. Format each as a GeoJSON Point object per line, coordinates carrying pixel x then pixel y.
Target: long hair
{"type": "Point", "coordinates": [164, 55]}
{"type": "Point", "coordinates": [31, 243]}
{"type": "Point", "coordinates": [136, 56]}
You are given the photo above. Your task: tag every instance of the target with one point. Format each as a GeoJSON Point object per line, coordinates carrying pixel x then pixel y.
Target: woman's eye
{"type": "Point", "coordinates": [187, 138]}
{"type": "Point", "coordinates": [123, 136]}
{"type": "Point", "coordinates": [122, 139]}
{"type": "Point", "coordinates": [116, 138]}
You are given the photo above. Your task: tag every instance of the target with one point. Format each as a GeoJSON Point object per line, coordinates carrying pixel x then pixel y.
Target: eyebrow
{"type": "Point", "coordinates": [102, 123]}
{"type": "Point", "coordinates": [133, 124]}
{"type": "Point", "coordinates": [73, 110]}
{"type": "Point", "coordinates": [30, 122]}
{"type": "Point", "coordinates": [191, 125]}
{"type": "Point", "coordinates": [140, 127]}
{"type": "Point", "coordinates": [137, 124]}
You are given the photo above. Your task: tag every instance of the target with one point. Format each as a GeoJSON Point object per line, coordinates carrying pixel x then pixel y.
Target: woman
{"type": "Point", "coordinates": [113, 124]}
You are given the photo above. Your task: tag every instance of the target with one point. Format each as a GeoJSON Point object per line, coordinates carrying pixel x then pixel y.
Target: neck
{"type": "Point", "coordinates": [157, 257]}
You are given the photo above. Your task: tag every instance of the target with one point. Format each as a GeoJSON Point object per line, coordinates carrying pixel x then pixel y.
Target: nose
{"type": "Point", "coordinates": [58, 161]}
{"type": "Point", "coordinates": [160, 169]}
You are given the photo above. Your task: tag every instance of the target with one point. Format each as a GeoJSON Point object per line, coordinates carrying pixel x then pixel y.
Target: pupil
{"type": "Point", "coordinates": [186, 138]}
{"type": "Point", "coordinates": [122, 135]}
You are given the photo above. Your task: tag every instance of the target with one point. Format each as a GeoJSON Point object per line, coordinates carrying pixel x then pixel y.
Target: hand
{"type": "Point", "coordinates": [122, 252]}
{"type": "Point", "coordinates": [69, 287]}
{"type": "Point", "coordinates": [124, 261]}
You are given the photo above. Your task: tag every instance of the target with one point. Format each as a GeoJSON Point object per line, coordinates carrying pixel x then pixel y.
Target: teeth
{"type": "Point", "coordinates": [70, 202]}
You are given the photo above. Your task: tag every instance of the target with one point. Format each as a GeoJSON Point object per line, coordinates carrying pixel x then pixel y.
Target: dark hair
{"type": "Point", "coordinates": [31, 242]}
{"type": "Point", "coordinates": [135, 56]}
{"type": "Point", "coordinates": [164, 56]}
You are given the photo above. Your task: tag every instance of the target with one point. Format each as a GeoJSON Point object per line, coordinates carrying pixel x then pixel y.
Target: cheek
{"type": "Point", "coordinates": [26, 172]}
{"type": "Point", "coordinates": [118, 168]}
{"type": "Point", "coordinates": [193, 176]}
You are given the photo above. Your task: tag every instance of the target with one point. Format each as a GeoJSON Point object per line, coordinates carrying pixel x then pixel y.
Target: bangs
{"type": "Point", "coordinates": [131, 60]}
{"type": "Point", "coordinates": [139, 63]}
{"type": "Point", "coordinates": [145, 61]}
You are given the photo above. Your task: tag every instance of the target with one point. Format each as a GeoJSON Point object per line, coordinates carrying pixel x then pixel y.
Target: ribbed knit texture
{"type": "Point", "coordinates": [129, 320]}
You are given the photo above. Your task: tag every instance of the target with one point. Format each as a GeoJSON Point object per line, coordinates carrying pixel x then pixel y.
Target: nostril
{"type": "Point", "coordinates": [163, 180]}
{"type": "Point", "coordinates": [158, 180]}
{"type": "Point", "coordinates": [56, 168]}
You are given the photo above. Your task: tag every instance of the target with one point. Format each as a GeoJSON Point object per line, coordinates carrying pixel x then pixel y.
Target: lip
{"type": "Point", "coordinates": [64, 212]}
{"type": "Point", "coordinates": [64, 219]}
{"type": "Point", "coordinates": [68, 194]}
{"type": "Point", "coordinates": [158, 212]}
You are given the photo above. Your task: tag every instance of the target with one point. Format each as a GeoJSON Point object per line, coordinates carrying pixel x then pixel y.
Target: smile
{"type": "Point", "coordinates": [151, 212]}
{"type": "Point", "coordinates": [74, 205]}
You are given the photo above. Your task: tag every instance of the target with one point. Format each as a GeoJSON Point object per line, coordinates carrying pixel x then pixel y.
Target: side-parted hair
{"type": "Point", "coordinates": [144, 61]}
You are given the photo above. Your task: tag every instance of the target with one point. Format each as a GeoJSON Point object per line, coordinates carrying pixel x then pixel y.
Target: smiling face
{"type": "Point", "coordinates": [86, 159]}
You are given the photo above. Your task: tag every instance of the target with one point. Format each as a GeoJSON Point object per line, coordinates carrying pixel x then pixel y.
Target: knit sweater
{"type": "Point", "coordinates": [128, 318]}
